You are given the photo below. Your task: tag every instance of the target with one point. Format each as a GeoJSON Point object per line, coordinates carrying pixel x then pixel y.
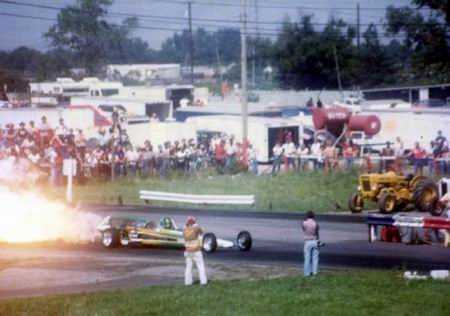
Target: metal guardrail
{"type": "Point", "coordinates": [197, 199]}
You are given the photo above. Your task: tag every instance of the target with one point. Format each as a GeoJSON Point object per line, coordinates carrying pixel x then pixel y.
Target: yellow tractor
{"type": "Point", "coordinates": [394, 192]}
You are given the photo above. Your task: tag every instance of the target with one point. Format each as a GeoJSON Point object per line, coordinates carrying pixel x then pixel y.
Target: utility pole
{"type": "Point", "coordinates": [254, 44]}
{"type": "Point", "coordinates": [337, 70]}
{"type": "Point", "coordinates": [244, 74]}
{"type": "Point", "coordinates": [219, 67]}
{"type": "Point", "coordinates": [191, 42]}
{"type": "Point", "coordinates": [358, 26]}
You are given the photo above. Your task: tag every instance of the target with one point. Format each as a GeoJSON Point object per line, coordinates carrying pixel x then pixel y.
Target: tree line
{"type": "Point", "coordinates": [413, 46]}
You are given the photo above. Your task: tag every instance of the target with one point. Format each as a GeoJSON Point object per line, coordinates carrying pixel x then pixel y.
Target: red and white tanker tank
{"type": "Point", "coordinates": [335, 119]}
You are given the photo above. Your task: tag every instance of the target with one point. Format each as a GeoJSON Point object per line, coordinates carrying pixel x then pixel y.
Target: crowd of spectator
{"type": "Point", "coordinates": [327, 155]}
{"type": "Point", "coordinates": [40, 146]}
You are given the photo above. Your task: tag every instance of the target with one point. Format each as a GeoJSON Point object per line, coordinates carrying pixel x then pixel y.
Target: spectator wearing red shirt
{"type": "Point", "coordinates": [419, 156]}
{"type": "Point", "coordinates": [45, 132]}
{"type": "Point", "coordinates": [10, 136]}
{"type": "Point", "coordinates": [22, 134]}
{"type": "Point", "coordinates": [349, 153]}
{"type": "Point", "coordinates": [220, 155]}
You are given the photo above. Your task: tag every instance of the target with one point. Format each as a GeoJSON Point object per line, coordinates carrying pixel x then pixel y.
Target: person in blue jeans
{"type": "Point", "coordinates": [311, 245]}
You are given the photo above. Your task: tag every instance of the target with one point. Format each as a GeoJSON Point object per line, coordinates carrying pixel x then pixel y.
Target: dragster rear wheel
{"type": "Point", "coordinates": [209, 242]}
{"type": "Point", "coordinates": [244, 241]}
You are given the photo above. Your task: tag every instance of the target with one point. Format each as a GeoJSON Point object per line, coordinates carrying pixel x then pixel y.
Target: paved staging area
{"type": "Point", "coordinates": [52, 268]}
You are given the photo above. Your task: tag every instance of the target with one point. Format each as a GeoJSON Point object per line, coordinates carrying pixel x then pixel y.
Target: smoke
{"type": "Point", "coordinates": [27, 217]}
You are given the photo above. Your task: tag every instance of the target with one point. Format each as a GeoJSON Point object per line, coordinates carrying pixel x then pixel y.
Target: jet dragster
{"type": "Point", "coordinates": [116, 232]}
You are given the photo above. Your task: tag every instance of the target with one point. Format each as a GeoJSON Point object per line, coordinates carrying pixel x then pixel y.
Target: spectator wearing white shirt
{"type": "Point", "coordinates": [253, 159]}
{"type": "Point", "coordinates": [131, 158]}
{"type": "Point", "coordinates": [302, 151]}
{"type": "Point", "coordinates": [289, 152]}
{"type": "Point", "coordinates": [399, 152]}
{"type": "Point", "coordinates": [230, 151]}
{"type": "Point", "coordinates": [61, 130]}
{"type": "Point", "coordinates": [277, 156]}
{"type": "Point", "coordinates": [316, 150]}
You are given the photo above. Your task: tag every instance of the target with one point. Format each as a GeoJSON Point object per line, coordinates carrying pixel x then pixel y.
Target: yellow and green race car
{"type": "Point", "coordinates": [120, 231]}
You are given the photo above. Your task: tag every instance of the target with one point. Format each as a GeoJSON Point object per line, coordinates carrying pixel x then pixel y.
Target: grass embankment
{"type": "Point", "coordinates": [360, 293]}
{"type": "Point", "coordinates": [284, 192]}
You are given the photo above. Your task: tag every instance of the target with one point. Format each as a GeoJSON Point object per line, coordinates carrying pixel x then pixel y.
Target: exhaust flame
{"type": "Point", "coordinates": [27, 217]}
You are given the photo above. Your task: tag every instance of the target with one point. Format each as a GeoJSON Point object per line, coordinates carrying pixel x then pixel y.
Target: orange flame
{"type": "Point", "coordinates": [27, 217]}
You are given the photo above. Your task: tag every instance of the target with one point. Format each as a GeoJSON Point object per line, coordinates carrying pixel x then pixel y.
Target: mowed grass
{"type": "Point", "coordinates": [337, 293]}
{"type": "Point", "coordinates": [285, 192]}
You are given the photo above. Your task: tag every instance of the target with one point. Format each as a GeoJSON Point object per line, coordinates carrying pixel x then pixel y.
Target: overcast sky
{"type": "Point", "coordinates": [28, 32]}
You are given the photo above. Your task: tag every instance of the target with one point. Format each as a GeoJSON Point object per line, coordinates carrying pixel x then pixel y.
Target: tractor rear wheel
{"type": "Point", "coordinates": [356, 203]}
{"type": "Point", "coordinates": [426, 197]}
{"type": "Point", "coordinates": [386, 203]}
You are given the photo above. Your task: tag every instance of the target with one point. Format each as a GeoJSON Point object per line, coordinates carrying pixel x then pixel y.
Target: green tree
{"type": "Point", "coordinates": [426, 39]}
{"type": "Point", "coordinates": [305, 57]}
{"type": "Point", "coordinates": [83, 29]}
{"type": "Point", "coordinates": [378, 63]}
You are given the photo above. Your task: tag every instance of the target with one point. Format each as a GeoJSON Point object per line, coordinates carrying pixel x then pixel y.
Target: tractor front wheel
{"type": "Point", "coordinates": [386, 203]}
{"type": "Point", "coordinates": [356, 203]}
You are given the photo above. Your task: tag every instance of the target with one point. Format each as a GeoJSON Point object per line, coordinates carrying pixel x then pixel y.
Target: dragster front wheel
{"type": "Point", "coordinates": [244, 241]}
{"type": "Point", "coordinates": [209, 242]}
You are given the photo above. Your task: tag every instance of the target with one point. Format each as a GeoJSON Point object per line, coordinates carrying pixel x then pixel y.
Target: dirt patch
{"type": "Point", "coordinates": [33, 273]}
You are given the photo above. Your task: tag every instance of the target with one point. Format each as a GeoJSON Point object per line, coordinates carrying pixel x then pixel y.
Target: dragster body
{"type": "Point", "coordinates": [116, 231]}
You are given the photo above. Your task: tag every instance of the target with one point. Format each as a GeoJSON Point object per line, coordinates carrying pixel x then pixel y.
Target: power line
{"type": "Point", "coordinates": [181, 19]}
{"type": "Point", "coordinates": [152, 28]}
{"type": "Point", "coordinates": [288, 7]}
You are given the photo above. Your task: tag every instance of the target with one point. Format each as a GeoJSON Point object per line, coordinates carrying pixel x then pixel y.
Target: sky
{"type": "Point", "coordinates": [29, 32]}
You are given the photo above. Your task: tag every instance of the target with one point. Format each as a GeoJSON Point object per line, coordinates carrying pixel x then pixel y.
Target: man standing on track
{"type": "Point", "coordinates": [192, 236]}
{"type": "Point", "coordinates": [311, 245]}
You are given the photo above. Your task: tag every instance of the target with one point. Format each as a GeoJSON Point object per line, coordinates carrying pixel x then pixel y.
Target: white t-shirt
{"type": "Point", "coordinates": [316, 150]}
{"type": "Point", "coordinates": [277, 150]}
{"type": "Point", "coordinates": [398, 149]}
{"type": "Point", "coordinates": [230, 149]}
{"type": "Point", "coordinates": [289, 149]}
{"type": "Point", "coordinates": [61, 130]}
{"type": "Point", "coordinates": [132, 156]}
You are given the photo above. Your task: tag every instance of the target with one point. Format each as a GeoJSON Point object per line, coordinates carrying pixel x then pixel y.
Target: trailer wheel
{"type": "Point", "coordinates": [386, 203]}
{"type": "Point", "coordinates": [244, 241]}
{"type": "Point", "coordinates": [356, 203]}
{"type": "Point", "coordinates": [209, 242]}
{"type": "Point", "coordinates": [111, 238]}
{"type": "Point", "coordinates": [426, 197]}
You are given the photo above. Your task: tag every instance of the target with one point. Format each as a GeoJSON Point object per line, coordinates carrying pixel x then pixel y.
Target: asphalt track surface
{"type": "Point", "coordinates": [277, 239]}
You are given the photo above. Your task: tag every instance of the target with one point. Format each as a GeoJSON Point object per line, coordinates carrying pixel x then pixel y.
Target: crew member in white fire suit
{"type": "Point", "coordinates": [192, 236]}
